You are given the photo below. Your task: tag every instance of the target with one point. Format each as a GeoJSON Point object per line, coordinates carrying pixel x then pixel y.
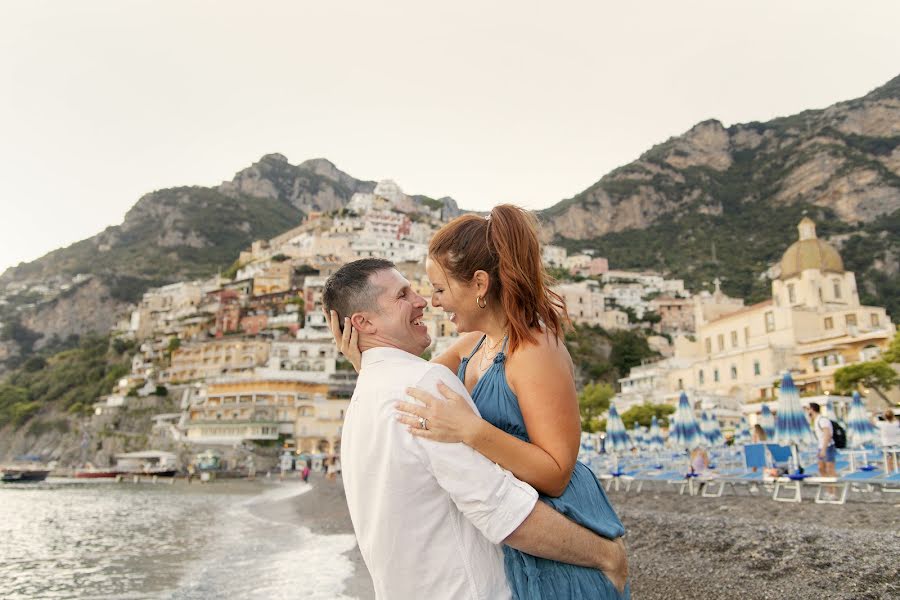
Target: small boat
{"type": "Point", "coordinates": [17, 475]}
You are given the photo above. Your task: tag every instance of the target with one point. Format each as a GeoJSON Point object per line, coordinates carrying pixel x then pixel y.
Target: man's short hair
{"type": "Point", "coordinates": [815, 407]}
{"type": "Point", "coordinates": [349, 289]}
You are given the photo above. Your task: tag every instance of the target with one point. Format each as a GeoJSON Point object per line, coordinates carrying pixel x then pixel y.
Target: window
{"type": "Point", "coordinates": [734, 339]}
{"type": "Point", "coordinates": [680, 384]}
{"type": "Point", "coordinates": [715, 374]}
{"type": "Point", "coordinates": [829, 323]}
{"type": "Point", "coordinates": [837, 289]}
{"type": "Point", "coordinates": [746, 336]}
{"type": "Point", "coordinates": [770, 321]}
{"type": "Point", "coordinates": [756, 370]}
{"type": "Point", "coordinates": [850, 319]}
{"type": "Point", "coordinates": [792, 296]}
{"type": "Point", "coordinates": [700, 377]}
{"type": "Point", "coordinates": [873, 318]}
{"type": "Point", "coordinates": [733, 372]}
{"type": "Point", "coordinates": [708, 346]}
{"type": "Point", "coordinates": [721, 341]}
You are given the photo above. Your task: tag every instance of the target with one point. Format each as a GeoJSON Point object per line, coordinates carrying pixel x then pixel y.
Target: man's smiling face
{"type": "Point", "coordinates": [398, 320]}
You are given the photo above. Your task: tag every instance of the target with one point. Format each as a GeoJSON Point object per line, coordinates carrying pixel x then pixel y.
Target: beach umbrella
{"type": "Point", "coordinates": [742, 432]}
{"type": "Point", "coordinates": [860, 431]}
{"type": "Point", "coordinates": [709, 426]}
{"type": "Point", "coordinates": [654, 436]}
{"type": "Point", "coordinates": [637, 436]}
{"type": "Point", "coordinates": [767, 421]}
{"type": "Point", "coordinates": [616, 435]}
{"type": "Point", "coordinates": [686, 432]}
{"type": "Point", "coordinates": [791, 426]}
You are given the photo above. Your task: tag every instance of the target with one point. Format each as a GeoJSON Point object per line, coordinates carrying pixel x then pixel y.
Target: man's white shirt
{"type": "Point", "coordinates": [428, 516]}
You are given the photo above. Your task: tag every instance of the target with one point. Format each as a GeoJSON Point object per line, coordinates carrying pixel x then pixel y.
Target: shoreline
{"type": "Point", "coordinates": [323, 510]}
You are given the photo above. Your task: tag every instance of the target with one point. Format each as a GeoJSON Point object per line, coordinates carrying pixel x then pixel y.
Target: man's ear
{"type": "Point", "coordinates": [482, 282]}
{"type": "Point", "coordinates": [361, 323]}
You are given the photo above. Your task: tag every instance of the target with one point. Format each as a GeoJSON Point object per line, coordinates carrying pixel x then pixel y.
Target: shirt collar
{"type": "Point", "coordinates": [376, 355]}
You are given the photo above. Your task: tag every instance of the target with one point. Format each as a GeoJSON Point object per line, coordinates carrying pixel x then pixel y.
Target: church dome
{"type": "Point", "coordinates": [809, 252]}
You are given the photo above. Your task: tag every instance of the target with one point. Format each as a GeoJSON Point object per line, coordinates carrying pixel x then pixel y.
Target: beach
{"type": "Point", "coordinates": [323, 510]}
{"type": "Point", "coordinates": [683, 547]}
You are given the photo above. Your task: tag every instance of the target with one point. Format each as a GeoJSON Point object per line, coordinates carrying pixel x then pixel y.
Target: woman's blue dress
{"type": "Point", "coordinates": [583, 501]}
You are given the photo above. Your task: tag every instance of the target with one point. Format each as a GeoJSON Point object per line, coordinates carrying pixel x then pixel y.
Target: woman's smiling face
{"type": "Point", "coordinates": [456, 298]}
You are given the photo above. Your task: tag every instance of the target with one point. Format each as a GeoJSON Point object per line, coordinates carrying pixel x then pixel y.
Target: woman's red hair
{"type": "Point", "coordinates": [505, 245]}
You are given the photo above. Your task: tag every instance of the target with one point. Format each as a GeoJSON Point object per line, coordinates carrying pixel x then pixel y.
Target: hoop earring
{"type": "Point", "coordinates": [481, 302]}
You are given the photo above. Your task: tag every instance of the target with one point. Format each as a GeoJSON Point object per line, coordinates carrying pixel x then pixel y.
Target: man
{"type": "Point", "coordinates": [889, 429]}
{"type": "Point", "coordinates": [827, 454]}
{"type": "Point", "coordinates": [429, 516]}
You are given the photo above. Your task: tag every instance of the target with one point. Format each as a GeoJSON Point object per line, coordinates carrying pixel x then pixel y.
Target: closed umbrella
{"type": "Point", "coordinates": [791, 426]}
{"type": "Point", "coordinates": [616, 435]}
{"type": "Point", "coordinates": [742, 432]}
{"type": "Point", "coordinates": [616, 439]}
{"type": "Point", "coordinates": [860, 431]}
{"type": "Point", "coordinates": [655, 439]}
{"type": "Point", "coordinates": [686, 432]}
{"type": "Point", "coordinates": [767, 422]}
{"type": "Point", "coordinates": [637, 436]}
{"type": "Point", "coordinates": [709, 426]}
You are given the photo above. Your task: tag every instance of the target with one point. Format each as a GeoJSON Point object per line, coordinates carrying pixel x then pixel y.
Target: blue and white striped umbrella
{"type": "Point", "coordinates": [616, 436]}
{"type": "Point", "coordinates": [860, 431]}
{"type": "Point", "coordinates": [742, 432]}
{"type": "Point", "coordinates": [655, 439]}
{"type": "Point", "coordinates": [767, 422]}
{"type": "Point", "coordinates": [709, 426]}
{"type": "Point", "coordinates": [829, 410]}
{"type": "Point", "coordinates": [791, 426]}
{"type": "Point", "coordinates": [686, 432]}
{"type": "Point", "coordinates": [637, 436]}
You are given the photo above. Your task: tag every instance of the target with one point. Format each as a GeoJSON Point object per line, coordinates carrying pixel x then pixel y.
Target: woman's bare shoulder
{"type": "Point", "coordinates": [546, 349]}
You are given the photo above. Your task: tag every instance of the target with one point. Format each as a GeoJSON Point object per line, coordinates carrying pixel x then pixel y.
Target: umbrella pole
{"type": "Point", "coordinates": [795, 454]}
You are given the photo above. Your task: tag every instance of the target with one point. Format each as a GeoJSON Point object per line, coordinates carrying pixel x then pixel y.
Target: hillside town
{"type": "Point", "coordinates": [247, 355]}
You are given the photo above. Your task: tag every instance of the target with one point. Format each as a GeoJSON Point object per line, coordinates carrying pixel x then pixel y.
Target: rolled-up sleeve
{"type": "Point", "coordinates": [489, 496]}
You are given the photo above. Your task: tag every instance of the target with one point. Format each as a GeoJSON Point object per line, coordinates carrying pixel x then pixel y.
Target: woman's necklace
{"type": "Point", "coordinates": [484, 358]}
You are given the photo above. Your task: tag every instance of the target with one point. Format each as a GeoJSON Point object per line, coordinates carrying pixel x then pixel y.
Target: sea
{"type": "Point", "coordinates": [105, 540]}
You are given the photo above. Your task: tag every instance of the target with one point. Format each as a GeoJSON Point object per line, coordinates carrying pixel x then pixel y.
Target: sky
{"type": "Point", "coordinates": [487, 102]}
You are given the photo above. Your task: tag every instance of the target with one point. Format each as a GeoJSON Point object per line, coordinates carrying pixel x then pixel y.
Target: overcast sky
{"type": "Point", "coordinates": [525, 102]}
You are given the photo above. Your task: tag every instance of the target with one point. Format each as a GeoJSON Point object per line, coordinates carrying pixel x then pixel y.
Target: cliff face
{"type": "Point", "coordinates": [167, 236]}
{"type": "Point", "coordinates": [720, 201]}
{"type": "Point", "coordinates": [845, 158]}
{"type": "Point", "coordinates": [314, 185]}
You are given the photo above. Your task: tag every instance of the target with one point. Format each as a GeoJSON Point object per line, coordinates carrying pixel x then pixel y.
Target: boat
{"type": "Point", "coordinates": [150, 463]}
{"type": "Point", "coordinates": [26, 475]}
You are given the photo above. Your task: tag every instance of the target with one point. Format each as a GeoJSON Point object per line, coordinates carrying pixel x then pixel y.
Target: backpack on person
{"type": "Point", "coordinates": [838, 435]}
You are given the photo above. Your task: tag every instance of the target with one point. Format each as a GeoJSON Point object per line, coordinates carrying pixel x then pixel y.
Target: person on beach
{"type": "Point", "coordinates": [429, 516]}
{"type": "Point", "coordinates": [487, 274]}
{"type": "Point", "coordinates": [758, 435]}
{"type": "Point", "coordinates": [827, 453]}
{"type": "Point", "coordinates": [889, 429]}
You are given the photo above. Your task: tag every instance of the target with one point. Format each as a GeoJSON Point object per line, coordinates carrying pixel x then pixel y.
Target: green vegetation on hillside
{"type": "Point", "coordinates": [69, 381]}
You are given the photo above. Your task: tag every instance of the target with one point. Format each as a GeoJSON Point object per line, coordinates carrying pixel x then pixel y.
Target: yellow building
{"type": "Point", "coordinates": [812, 325]}
{"type": "Point", "coordinates": [205, 360]}
{"type": "Point", "coordinates": [262, 408]}
{"type": "Point", "coordinates": [274, 279]}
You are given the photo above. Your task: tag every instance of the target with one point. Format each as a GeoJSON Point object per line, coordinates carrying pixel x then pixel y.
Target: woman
{"type": "Point", "coordinates": [487, 273]}
{"type": "Point", "coordinates": [759, 434]}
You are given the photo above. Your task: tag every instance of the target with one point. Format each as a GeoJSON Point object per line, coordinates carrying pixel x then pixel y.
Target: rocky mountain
{"type": "Point", "coordinates": [168, 235]}
{"type": "Point", "coordinates": [724, 202]}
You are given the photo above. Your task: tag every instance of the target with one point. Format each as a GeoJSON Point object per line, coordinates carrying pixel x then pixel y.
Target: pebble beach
{"type": "Point", "coordinates": [683, 547]}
